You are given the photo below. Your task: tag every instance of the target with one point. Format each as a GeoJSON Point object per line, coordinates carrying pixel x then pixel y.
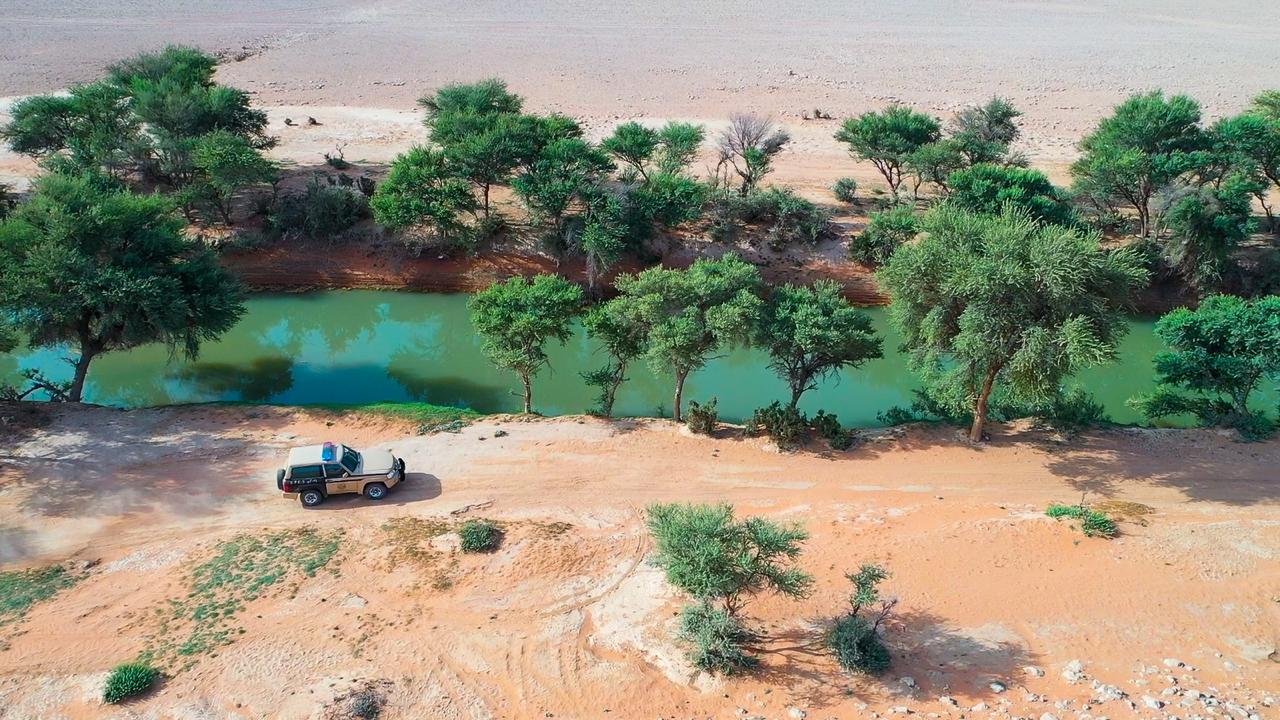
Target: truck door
{"type": "Point", "coordinates": [338, 480]}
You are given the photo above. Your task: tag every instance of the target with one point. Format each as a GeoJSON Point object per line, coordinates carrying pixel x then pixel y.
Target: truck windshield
{"type": "Point", "coordinates": [350, 459]}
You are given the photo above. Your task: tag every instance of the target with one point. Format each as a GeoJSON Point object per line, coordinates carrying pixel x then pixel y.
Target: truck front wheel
{"type": "Point", "coordinates": [375, 491]}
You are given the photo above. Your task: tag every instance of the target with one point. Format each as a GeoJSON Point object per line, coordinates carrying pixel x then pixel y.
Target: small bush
{"type": "Point", "coordinates": [1074, 411]}
{"type": "Point", "coordinates": [843, 441]}
{"type": "Point", "coordinates": [785, 217]}
{"type": "Point", "coordinates": [845, 190]}
{"type": "Point", "coordinates": [702, 418]}
{"type": "Point", "coordinates": [321, 212]}
{"type": "Point", "coordinates": [718, 640]}
{"type": "Point", "coordinates": [826, 425]}
{"type": "Point", "coordinates": [857, 646]}
{"type": "Point", "coordinates": [785, 425]}
{"type": "Point", "coordinates": [479, 536]}
{"type": "Point", "coordinates": [884, 234]}
{"type": "Point", "coordinates": [1092, 522]}
{"type": "Point", "coordinates": [129, 680]}
{"type": "Point", "coordinates": [362, 703]}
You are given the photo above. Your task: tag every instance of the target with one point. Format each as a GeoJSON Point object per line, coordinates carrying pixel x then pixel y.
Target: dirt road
{"type": "Point", "coordinates": [568, 619]}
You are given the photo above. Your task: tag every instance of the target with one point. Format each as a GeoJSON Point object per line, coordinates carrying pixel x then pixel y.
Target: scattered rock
{"type": "Point", "coordinates": [980, 707]}
{"type": "Point", "coordinates": [900, 710]}
{"type": "Point", "coordinates": [1033, 671]}
{"type": "Point", "coordinates": [1107, 693]}
{"type": "Point", "coordinates": [499, 433]}
{"type": "Point", "coordinates": [1174, 663]}
{"type": "Point", "coordinates": [796, 713]}
{"type": "Point", "coordinates": [1151, 702]}
{"type": "Point", "coordinates": [997, 686]}
{"type": "Point", "coordinates": [1048, 716]}
{"type": "Point", "coordinates": [948, 700]}
{"type": "Point", "coordinates": [908, 681]}
{"type": "Point", "coordinates": [1074, 672]}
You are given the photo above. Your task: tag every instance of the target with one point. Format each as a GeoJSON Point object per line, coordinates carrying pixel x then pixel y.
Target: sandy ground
{"type": "Point", "coordinates": [569, 620]}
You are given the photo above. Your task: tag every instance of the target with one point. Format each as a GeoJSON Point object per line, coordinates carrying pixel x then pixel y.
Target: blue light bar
{"type": "Point", "coordinates": [328, 452]}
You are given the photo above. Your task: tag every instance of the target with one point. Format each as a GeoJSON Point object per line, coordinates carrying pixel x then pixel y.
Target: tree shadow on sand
{"type": "Point", "coordinates": [1202, 465]}
{"type": "Point", "coordinates": [940, 657]}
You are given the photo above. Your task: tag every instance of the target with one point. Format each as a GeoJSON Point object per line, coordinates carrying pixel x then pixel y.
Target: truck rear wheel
{"type": "Point", "coordinates": [311, 497]}
{"type": "Point", "coordinates": [375, 491]}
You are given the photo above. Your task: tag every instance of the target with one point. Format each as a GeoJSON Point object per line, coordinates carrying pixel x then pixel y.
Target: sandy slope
{"type": "Point", "coordinates": [570, 620]}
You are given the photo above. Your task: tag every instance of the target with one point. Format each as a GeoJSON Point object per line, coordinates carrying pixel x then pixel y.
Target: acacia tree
{"type": "Point", "coordinates": [667, 150]}
{"type": "Point", "coordinates": [564, 173]}
{"type": "Point", "coordinates": [984, 133]}
{"type": "Point", "coordinates": [226, 164]}
{"type": "Point", "coordinates": [459, 110]}
{"type": "Point", "coordinates": [622, 336]}
{"type": "Point", "coordinates": [516, 318]}
{"type": "Point", "coordinates": [1206, 226]}
{"type": "Point", "coordinates": [985, 300]}
{"type": "Point", "coordinates": [90, 128]}
{"type": "Point", "coordinates": [988, 188]}
{"type": "Point", "coordinates": [887, 138]}
{"type": "Point", "coordinates": [811, 333]}
{"type": "Point", "coordinates": [85, 264]}
{"type": "Point", "coordinates": [687, 315]}
{"type": "Point", "coordinates": [423, 189]}
{"type": "Point", "coordinates": [1146, 144]}
{"type": "Point", "coordinates": [1249, 145]}
{"type": "Point", "coordinates": [747, 146]}
{"type": "Point", "coordinates": [1219, 354]}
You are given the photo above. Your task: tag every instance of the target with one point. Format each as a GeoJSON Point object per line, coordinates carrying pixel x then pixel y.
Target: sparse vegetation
{"type": "Point", "coordinates": [784, 424]}
{"type": "Point", "coordinates": [479, 536]}
{"type": "Point", "coordinates": [886, 232]}
{"type": "Point", "coordinates": [22, 589]}
{"type": "Point", "coordinates": [129, 680]}
{"type": "Point", "coordinates": [702, 418]}
{"type": "Point", "coordinates": [1092, 522]}
{"type": "Point", "coordinates": [845, 190]}
{"type": "Point", "coordinates": [719, 639]}
{"type": "Point", "coordinates": [855, 638]}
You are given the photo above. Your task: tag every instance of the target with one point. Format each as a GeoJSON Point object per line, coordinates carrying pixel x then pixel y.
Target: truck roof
{"type": "Point", "coordinates": [314, 454]}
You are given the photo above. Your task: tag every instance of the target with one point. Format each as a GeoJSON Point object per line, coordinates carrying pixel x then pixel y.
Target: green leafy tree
{"type": "Point", "coordinates": [603, 237]}
{"type": "Point", "coordinates": [634, 145]}
{"type": "Point", "coordinates": [101, 269]}
{"type": "Point", "coordinates": [933, 164]}
{"type": "Point", "coordinates": [984, 133]}
{"type": "Point", "coordinates": [1144, 146]}
{"type": "Point", "coordinates": [746, 147]}
{"type": "Point", "coordinates": [887, 138]}
{"type": "Point", "coordinates": [984, 300]}
{"type": "Point", "coordinates": [1219, 354]}
{"type": "Point", "coordinates": [1206, 226]}
{"type": "Point", "coordinates": [488, 157]}
{"type": "Point", "coordinates": [565, 172]}
{"type": "Point", "coordinates": [91, 128]}
{"type": "Point", "coordinates": [989, 188]}
{"type": "Point", "coordinates": [518, 317]}
{"type": "Point", "coordinates": [678, 146]}
{"type": "Point", "coordinates": [716, 558]}
{"type": "Point", "coordinates": [886, 232]}
{"type": "Point", "coordinates": [621, 334]}
{"type": "Point", "coordinates": [1249, 145]}
{"type": "Point", "coordinates": [227, 164]}
{"type": "Point", "coordinates": [1268, 105]}
{"type": "Point", "coordinates": [460, 110]}
{"type": "Point", "coordinates": [811, 333]}
{"type": "Point", "coordinates": [422, 189]}
{"type": "Point", "coordinates": [667, 200]}
{"type": "Point", "coordinates": [687, 315]}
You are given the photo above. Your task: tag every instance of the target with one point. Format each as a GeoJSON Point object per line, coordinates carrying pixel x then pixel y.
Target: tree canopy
{"type": "Point", "coordinates": [888, 137]}
{"type": "Point", "coordinates": [811, 333]}
{"type": "Point", "coordinates": [516, 318]}
{"type": "Point", "coordinates": [686, 315]}
{"type": "Point", "coordinates": [988, 188]}
{"type": "Point", "coordinates": [101, 269]}
{"type": "Point", "coordinates": [1001, 300]}
{"type": "Point", "coordinates": [1219, 353]}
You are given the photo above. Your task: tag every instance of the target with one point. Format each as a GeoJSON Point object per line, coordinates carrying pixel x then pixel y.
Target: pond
{"type": "Point", "coordinates": [365, 346]}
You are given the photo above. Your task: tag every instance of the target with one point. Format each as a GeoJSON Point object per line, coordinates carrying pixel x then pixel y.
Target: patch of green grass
{"type": "Point", "coordinates": [129, 680]}
{"type": "Point", "coordinates": [242, 569]}
{"type": "Point", "coordinates": [415, 412]}
{"type": "Point", "coordinates": [21, 589]}
{"type": "Point", "coordinates": [1092, 522]}
{"type": "Point", "coordinates": [479, 536]}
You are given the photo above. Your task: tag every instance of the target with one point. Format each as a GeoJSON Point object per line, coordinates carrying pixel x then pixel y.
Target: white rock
{"type": "Point", "coordinates": [1107, 693]}
{"type": "Point", "coordinates": [796, 713]}
{"type": "Point", "coordinates": [1174, 663]}
{"type": "Point", "coordinates": [1048, 716]}
{"type": "Point", "coordinates": [900, 710]}
{"type": "Point", "coordinates": [980, 707]}
{"type": "Point", "coordinates": [997, 686]}
{"type": "Point", "coordinates": [1033, 671]}
{"type": "Point", "coordinates": [948, 700]}
{"type": "Point", "coordinates": [1151, 702]}
{"type": "Point", "coordinates": [1073, 672]}
{"type": "Point", "coordinates": [908, 681]}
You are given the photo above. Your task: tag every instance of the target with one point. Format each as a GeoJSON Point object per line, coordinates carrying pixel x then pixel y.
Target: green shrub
{"type": "Point", "coordinates": [826, 425]}
{"type": "Point", "coordinates": [322, 211]}
{"type": "Point", "coordinates": [845, 190]}
{"type": "Point", "coordinates": [785, 425]}
{"type": "Point", "coordinates": [843, 441]}
{"type": "Point", "coordinates": [718, 639]}
{"type": "Point", "coordinates": [1074, 411]}
{"type": "Point", "coordinates": [1092, 522]}
{"type": "Point", "coordinates": [857, 646]}
{"type": "Point", "coordinates": [785, 218]}
{"type": "Point", "coordinates": [702, 418]}
{"type": "Point", "coordinates": [129, 680]}
{"type": "Point", "coordinates": [479, 536]}
{"type": "Point", "coordinates": [884, 234]}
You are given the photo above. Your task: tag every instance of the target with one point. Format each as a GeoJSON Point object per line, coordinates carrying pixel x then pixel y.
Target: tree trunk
{"type": "Point", "coordinates": [485, 192]}
{"type": "Point", "coordinates": [528, 393]}
{"type": "Point", "coordinates": [677, 415]}
{"type": "Point", "coordinates": [76, 391]}
{"type": "Point", "coordinates": [796, 391]}
{"type": "Point", "coordinates": [980, 407]}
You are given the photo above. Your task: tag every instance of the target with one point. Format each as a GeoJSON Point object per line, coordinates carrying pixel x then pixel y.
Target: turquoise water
{"type": "Point", "coordinates": [364, 346]}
